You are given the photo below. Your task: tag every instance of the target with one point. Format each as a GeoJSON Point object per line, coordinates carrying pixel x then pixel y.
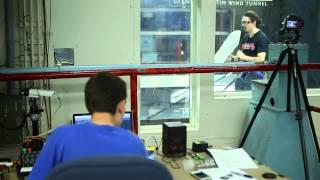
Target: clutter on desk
{"type": "Point", "coordinates": [188, 164]}
{"type": "Point", "coordinates": [151, 152]}
{"type": "Point", "coordinates": [199, 146]}
{"type": "Point", "coordinates": [221, 173]}
{"type": "Point", "coordinates": [202, 160]}
{"type": "Point", "coordinates": [7, 164]}
{"type": "Point", "coordinates": [232, 159]}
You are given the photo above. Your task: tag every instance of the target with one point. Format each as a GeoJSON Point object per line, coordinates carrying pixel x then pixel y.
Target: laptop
{"type": "Point", "coordinates": [83, 118]}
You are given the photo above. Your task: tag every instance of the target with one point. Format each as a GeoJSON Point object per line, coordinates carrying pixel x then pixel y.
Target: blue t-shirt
{"type": "Point", "coordinates": [76, 141]}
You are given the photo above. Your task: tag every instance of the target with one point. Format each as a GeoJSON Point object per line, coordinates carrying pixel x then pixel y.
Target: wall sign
{"type": "Point", "coordinates": [247, 3]}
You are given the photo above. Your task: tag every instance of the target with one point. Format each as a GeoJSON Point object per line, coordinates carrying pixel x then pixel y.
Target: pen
{"type": "Point", "coordinates": [240, 174]}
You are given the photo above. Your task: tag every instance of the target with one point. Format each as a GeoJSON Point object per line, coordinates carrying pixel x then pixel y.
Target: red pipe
{"type": "Point", "coordinates": [60, 75]}
{"type": "Point", "coordinates": [145, 71]}
{"type": "Point", "coordinates": [134, 101]}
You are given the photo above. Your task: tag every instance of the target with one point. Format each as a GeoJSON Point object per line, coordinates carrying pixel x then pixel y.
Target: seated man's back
{"type": "Point", "coordinates": [73, 142]}
{"type": "Point", "coordinates": [105, 96]}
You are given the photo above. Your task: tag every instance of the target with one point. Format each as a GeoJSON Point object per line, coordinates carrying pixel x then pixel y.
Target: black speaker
{"type": "Point", "coordinates": [174, 139]}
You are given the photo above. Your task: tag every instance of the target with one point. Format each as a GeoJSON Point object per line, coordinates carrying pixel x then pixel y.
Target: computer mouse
{"type": "Point", "coordinates": [269, 175]}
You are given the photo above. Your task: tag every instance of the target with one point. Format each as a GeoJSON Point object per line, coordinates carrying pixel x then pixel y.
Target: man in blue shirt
{"type": "Point", "coordinates": [105, 98]}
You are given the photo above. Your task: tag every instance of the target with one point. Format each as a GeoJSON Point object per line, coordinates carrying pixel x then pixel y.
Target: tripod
{"type": "Point", "coordinates": [295, 73]}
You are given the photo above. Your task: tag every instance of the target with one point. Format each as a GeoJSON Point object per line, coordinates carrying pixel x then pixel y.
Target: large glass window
{"type": "Point", "coordinates": [272, 12]}
{"type": "Point", "coordinates": [164, 98]}
{"type": "Point", "coordinates": [224, 26]}
{"type": "Point", "coordinates": [164, 39]}
{"type": "Point", "coordinates": [228, 21]}
{"type": "Point", "coordinates": [165, 31]}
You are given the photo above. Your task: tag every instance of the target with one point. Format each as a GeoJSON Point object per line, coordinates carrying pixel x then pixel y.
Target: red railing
{"type": "Point", "coordinates": [133, 73]}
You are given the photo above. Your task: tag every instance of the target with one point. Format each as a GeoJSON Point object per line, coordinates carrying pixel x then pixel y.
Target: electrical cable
{"type": "Point", "coordinates": [54, 114]}
{"type": "Point", "coordinates": [154, 139]}
{"type": "Point", "coordinates": [156, 142]}
{"type": "Point", "coordinates": [160, 142]}
{"type": "Point", "coordinates": [171, 162]}
{"type": "Point", "coordinates": [46, 83]}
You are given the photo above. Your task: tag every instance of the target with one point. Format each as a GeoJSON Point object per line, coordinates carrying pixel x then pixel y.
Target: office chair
{"type": "Point", "coordinates": [111, 168]}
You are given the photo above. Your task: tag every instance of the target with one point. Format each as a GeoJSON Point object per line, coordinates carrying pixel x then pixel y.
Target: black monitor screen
{"type": "Point", "coordinates": [85, 118]}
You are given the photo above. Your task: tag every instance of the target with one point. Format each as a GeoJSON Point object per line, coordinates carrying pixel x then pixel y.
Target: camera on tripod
{"type": "Point", "coordinates": [308, 147]}
{"type": "Point", "coordinates": [290, 29]}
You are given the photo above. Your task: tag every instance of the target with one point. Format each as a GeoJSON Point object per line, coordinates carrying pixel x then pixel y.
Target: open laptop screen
{"type": "Point", "coordinates": [86, 117]}
{"type": "Point", "coordinates": [81, 118]}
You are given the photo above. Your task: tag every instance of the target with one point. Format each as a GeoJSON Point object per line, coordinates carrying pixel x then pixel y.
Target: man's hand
{"type": "Point", "coordinates": [241, 56]}
{"type": "Point", "coordinates": [233, 58]}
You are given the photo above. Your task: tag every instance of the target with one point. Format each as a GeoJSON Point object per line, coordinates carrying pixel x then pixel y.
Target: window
{"type": "Point", "coordinates": [228, 20]}
{"type": "Point", "coordinates": [272, 12]}
{"type": "Point", "coordinates": [224, 26]}
{"type": "Point", "coordinates": [164, 39]}
{"type": "Point", "coordinates": [165, 31]}
{"type": "Point", "coordinates": [164, 98]}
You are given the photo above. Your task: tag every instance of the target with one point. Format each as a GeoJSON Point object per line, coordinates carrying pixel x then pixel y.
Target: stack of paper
{"type": "Point", "coordinates": [232, 159]}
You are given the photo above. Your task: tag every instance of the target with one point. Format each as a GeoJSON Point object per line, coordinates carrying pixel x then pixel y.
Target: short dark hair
{"type": "Point", "coordinates": [253, 16]}
{"type": "Point", "coordinates": [103, 92]}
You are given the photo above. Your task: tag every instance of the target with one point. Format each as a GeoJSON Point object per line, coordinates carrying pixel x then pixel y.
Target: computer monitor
{"type": "Point", "coordinates": [86, 117]}
{"type": "Point", "coordinates": [81, 118]}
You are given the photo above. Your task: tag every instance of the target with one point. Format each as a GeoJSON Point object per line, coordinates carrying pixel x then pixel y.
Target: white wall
{"type": "Point", "coordinates": [101, 32]}
{"type": "Point", "coordinates": [107, 32]}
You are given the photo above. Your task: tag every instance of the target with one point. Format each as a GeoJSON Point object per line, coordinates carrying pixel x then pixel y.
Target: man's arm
{"type": "Point", "coordinates": [262, 50]}
{"type": "Point", "coordinates": [259, 58]}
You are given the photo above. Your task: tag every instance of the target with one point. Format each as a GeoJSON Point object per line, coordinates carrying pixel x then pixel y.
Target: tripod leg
{"type": "Point", "coordinates": [299, 114]}
{"type": "Point", "coordinates": [308, 109]}
{"type": "Point", "coordinates": [264, 95]}
{"type": "Point", "coordinates": [289, 87]}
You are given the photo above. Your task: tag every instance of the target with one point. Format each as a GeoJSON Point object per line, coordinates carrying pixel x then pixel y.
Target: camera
{"type": "Point", "coordinates": [36, 93]}
{"type": "Point", "coordinates": [292, 22]}
{"type": "Point", "coordinates": [290, 27]}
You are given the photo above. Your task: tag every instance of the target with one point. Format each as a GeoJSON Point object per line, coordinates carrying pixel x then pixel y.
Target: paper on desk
{"type": "Point", "coordinates": [217, 173]}
{"type": "Point", "coordinates": [6, 164]}
{"type": "Point", "coordinates": [232, 159]}
{"type": "Point", "coordinates": [25, 169]}
{"type": "Point", "coordinates": [227, 47]}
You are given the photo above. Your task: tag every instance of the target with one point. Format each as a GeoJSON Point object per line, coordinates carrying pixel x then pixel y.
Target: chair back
{"type": "Point", "coordinates": [111, 168]}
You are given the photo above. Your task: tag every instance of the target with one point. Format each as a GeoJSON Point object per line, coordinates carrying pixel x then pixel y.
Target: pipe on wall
{"type": "Point", "coordinates": [9, 39]}
{"type": "Point", "coordinates": [318, 20]}
{"type": "Point", "coordinates": [10, 74]}
{"type": "Point", "coordinates": [2, 34]}
{"type": "Point", "coordinates": [9, 31]}
{"type": "Point", "coordinates": [133, 71]}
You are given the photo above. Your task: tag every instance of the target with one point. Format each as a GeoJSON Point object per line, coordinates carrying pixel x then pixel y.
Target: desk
{"type": "Point", "coordinates": [180, 174]}
{"type": "Point", "coordinates": [176, 168]}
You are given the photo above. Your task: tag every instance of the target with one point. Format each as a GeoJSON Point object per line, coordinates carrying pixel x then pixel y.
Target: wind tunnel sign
{"type": "Point", "coordinates": [246, 3]}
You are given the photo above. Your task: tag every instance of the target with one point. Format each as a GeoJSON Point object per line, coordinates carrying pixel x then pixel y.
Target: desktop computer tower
{"type": "Point", "coordinates": [174, 139]}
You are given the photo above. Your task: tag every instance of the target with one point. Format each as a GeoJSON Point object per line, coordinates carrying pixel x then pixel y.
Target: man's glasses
{"type": "Point", "coordinates": [245, 22]}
